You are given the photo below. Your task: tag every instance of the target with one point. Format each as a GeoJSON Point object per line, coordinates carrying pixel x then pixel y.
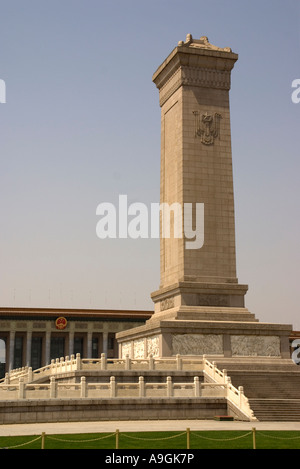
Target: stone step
{"type": "Point", "coordinates": [272, 389]}
{"type": "Point", "coordinates": [247, 364]}
{"type": "Point", "coordinates": [278, 385]}
{"type": "Point", "coordinates": [214, 314]}
{"type": "Point", "coordinates": [276, 409]}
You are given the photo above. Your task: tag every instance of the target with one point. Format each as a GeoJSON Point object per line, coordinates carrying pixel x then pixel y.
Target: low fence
{"type": "Point", "coordinates": [186, 440]}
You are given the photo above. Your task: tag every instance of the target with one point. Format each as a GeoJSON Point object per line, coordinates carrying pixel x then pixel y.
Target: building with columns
{"type": "Point", "coordinates": [35, 336]}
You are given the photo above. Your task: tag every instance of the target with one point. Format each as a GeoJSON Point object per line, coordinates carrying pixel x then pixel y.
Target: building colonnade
{"type": "Point", "coordinates": [28, 349]}
{"type": "Point", "coordinates": [35, 337]}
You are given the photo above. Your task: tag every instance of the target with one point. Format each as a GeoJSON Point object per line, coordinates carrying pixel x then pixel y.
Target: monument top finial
{"type": "Point", "coordinates": [202, 43]}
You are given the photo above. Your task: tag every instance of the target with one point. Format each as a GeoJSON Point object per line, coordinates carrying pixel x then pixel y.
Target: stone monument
{"type": "Point", "coordinates": [199, 306]}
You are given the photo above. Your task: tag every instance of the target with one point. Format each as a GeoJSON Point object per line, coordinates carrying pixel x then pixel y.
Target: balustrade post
{"type": "Point", "coordinates": [67, 362]}
{"type": "Point", "coordinates": [78, 362]}
{"type": "Point", "coordinates": [151, 362]}
{"type": "Point", "coordinates": [225, 376]}
{"type": "Point", "coordinates": [112, 386]}
{"type": "Point", "coordinates": [179, 362]}
{"type": "Point", "coordinates": [21, 388]}
{"type": "Point", "coordinates": [141, 386]}
{"type": "Point", "coordinates": [197, 387]}
{"type": "Point", "coordinates": [241, 394]}
{"type": "Point", "coordinates": [52, 388]}
{"type": "Point", "coordinates": [202, 366]}
{"type": "Point", "coordinates": [169, 387]}
{"type": "Point", "coordinates": [29, 375]}
{"type": "Point", "coordinates": [83, 389]}
{"type": "Point", "coordinates": [127, 363]}
{"type": "Point", "coordinates": [72, 358]}
{"type": "Point", "coordinates": [103, 361]}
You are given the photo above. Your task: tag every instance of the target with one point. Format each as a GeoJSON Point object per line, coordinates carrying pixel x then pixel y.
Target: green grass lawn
{"type": "Point", "coordinates": [159, 440]}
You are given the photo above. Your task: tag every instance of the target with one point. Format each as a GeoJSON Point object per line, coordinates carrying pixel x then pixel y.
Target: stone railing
{"type": "Point", "coordinates": [69, 364]}
{"type": "Point", "coordinates": [142, 389]}
{"type": "Point", "coordinates": [234, 395]}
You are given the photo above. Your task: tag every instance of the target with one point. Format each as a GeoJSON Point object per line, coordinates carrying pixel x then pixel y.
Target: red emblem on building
{"type": "Point", "coordinates": [61, 323]}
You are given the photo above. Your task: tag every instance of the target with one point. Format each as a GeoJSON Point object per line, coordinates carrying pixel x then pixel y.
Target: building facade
{"type": "Point", "coordinates": [34, 336]}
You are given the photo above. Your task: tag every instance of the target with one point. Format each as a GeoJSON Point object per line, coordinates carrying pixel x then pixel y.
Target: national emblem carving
{"type": "Point", "coordinates": [207, 127]}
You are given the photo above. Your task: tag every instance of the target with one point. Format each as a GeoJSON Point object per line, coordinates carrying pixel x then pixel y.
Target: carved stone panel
{"type": "Point", "coordinates": [246, 346]}
{"type": "Point", "coordinates": [126, 349]}
{"type": "Point", "coordinates": [168, 303]}
{"type": "Point", "coordinates": [197, 344]}
{"type": "Point", "coordinates": [213, 300]}
{"type": "Point", "coordinates": [139, 348]}
{"type": "Point", "coordinates": [153, 346]}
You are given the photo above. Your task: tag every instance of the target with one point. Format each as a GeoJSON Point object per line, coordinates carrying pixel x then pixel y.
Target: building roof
{"type": "Point", "coordinates": [86, 314]}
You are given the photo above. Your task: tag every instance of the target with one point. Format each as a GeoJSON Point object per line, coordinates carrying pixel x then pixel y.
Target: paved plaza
{"type": "Point", "coordinates": [141, 426]}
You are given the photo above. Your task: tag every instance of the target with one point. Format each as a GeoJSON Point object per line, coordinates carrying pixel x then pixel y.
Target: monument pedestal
{"type": "Point", "coordinates": [212, 331]}
{"type": "Point", "coordinates": [199, 307]}
{"type": "Point", "coordinates": [199, 294]}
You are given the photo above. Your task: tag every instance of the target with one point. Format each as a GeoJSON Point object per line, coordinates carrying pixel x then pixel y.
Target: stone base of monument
{"type": "Point", "coordinates": [213, 331]}
{"type": "Point", "coordinates": [255, 355]}
{"type": "Point", "coordinates": [204, 318]}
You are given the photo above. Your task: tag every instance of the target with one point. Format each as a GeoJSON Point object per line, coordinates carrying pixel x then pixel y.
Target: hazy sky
{"type": "Point", "coordinates": [81, 125]}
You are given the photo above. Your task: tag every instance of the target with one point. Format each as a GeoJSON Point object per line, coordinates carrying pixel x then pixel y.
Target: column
{"type": "Point", "coordinates": [28, 347]}
{"type": "Point", "coordinates": [89, 344]}
{"type": "Point", "coordinates": [71, 343]}
{"type": "Point", "coordinates": [104, 343]}
{"type": "Point", "coordinates": [12, 335]}
{"type": "Point", "coordinates": [47, 347]}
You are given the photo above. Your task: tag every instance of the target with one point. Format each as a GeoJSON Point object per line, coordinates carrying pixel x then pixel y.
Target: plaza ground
{"type": "Point", "coordinates": [142, 426]}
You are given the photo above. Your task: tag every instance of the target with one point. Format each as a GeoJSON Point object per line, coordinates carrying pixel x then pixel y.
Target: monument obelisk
{"type": "Point", "coordinates": [196, 167]}
{"type": "Point", "coordinates": [199, 307]}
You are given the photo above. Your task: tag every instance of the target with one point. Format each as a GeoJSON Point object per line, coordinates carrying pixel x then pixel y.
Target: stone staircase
{"type": "Point", "coordinates": [273, 388]}
{"type": "Point", "coordinates": [276, 410]}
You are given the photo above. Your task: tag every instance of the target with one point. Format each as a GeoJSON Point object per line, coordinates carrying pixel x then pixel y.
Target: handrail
{"type": "Point", "coordinates": [233, 395]}
{"type": "Point", "coordinates": [77, 363]}
{"type": "Point", "coordinates": [58, 390]}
